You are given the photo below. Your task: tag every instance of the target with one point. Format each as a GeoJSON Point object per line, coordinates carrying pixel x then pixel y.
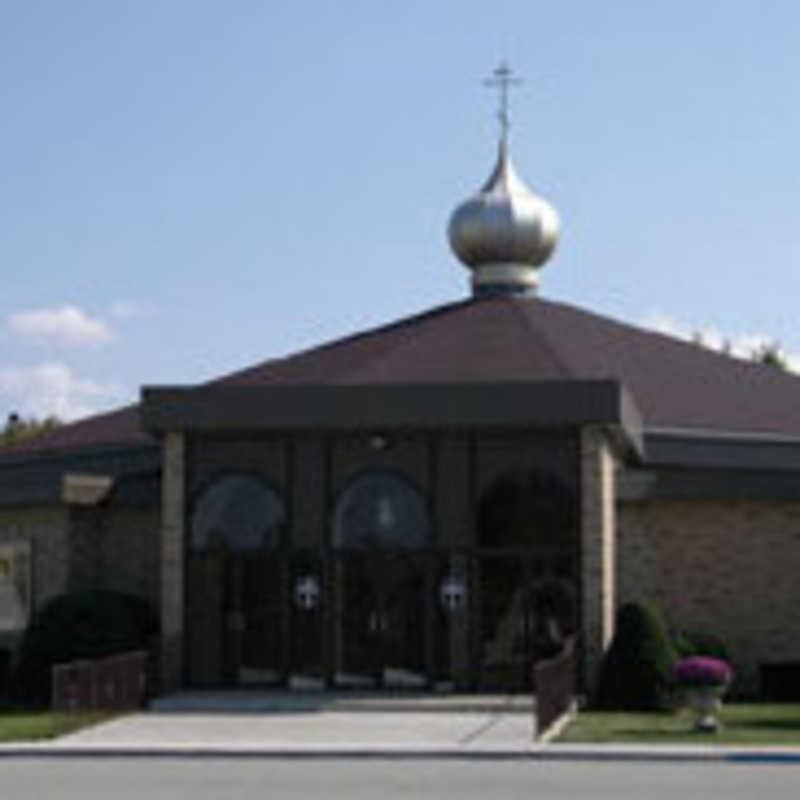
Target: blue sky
{"type": "Point", "coordinates": [187, 188]}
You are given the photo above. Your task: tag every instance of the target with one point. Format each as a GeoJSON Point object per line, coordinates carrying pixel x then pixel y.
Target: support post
{"type": "Point", "coordinates": [598, 556]}
{"type": "Point", "coordinates": [172, 560]}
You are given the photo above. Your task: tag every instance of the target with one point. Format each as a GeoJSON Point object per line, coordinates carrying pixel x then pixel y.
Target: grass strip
{"type": "Point", "coordinates": [30, 726]}
{"type": "Point", "coordinates": [740, 723]}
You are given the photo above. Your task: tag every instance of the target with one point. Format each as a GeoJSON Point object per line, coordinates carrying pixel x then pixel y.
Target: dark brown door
{"type": "Point", "coordinates": [380, 613]}
{"type": "Point", "coordinates": [234, 628]}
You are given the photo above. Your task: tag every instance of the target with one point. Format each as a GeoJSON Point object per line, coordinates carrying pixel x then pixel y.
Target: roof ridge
{"type": "Point", "coordinates": [671, 338]}
{"type": "Point", "coordinates": [533, 329]}
{"type": "Point", "coordinates": [402, 322]}
{"type": "Point", "coordinates": [53, 439]}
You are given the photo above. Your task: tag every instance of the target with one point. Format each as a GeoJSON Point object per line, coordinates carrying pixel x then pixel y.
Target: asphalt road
{"type": "Point", "coordinates": [248, 779]}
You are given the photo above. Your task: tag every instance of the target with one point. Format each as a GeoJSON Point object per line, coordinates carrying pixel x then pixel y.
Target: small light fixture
{"type": "Point", "coordinates": [377, 441]}
{"type": "Point", "coordinates": [453, 593]}
{"type": "Point", "coordinates": [307, 593]}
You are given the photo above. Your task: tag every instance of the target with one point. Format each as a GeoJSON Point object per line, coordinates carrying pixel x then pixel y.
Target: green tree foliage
{"type": "Point", "coordinates": [698, 643]}
{"type": "Point", "coordinates": [771, 355]}
{"type": "Point", "coordinates": [636, 671]}
{"type": "Point", "coordinates": [18, 429]}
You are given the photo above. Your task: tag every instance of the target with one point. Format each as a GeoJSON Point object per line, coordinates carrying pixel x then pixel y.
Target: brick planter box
{"type": "Point", "coordinates": [554, 679]}
{"type": "Point", "coordinates": [118, 681]}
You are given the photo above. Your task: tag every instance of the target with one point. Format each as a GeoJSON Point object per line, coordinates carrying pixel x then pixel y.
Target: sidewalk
{"type": "Point", "coordinates": [339, 726]}
{"type": "Point", "coordinates": [319, 723]}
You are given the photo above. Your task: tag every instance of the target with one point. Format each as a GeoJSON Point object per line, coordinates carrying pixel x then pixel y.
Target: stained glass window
{"type": "Point", "coordinates": [238, 513]}
{"type": "Point", "coordinates": [381, 511]}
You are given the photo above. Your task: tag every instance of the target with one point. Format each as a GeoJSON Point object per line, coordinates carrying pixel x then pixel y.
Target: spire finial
{"type": "Point", "coordinates": [505, 232]}
{"type": "Point", "coordinates": [503, 77]}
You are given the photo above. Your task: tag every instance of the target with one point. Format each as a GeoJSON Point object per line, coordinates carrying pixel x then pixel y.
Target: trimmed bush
{"type": "Point", "coordinates": [5, 671]}
{"type": "Point", "coordinates": [692, 643]}
{"type": "Point", "coordinates": [636, 671]}
{"type": "Point", "coordinates": [82, 625]}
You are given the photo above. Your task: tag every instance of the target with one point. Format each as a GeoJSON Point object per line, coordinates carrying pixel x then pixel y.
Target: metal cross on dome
{"type": "Point", "coordinates": [503, 77]}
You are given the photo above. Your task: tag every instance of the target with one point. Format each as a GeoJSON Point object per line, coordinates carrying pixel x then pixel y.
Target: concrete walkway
{"type": "Point", "coordinates": [327, 725]}
{"type": "Point", "coordinates": [319, 722]}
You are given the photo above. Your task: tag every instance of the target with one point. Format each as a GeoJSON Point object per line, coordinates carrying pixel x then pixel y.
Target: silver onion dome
{"type": "Point", "coordinates": [504, 233]}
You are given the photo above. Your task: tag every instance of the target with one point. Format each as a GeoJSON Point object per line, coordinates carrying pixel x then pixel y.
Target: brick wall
{"type": "Point", "coordinates": [727, 568]}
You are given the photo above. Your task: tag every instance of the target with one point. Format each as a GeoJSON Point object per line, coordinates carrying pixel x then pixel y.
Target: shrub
{"type": "Point", "coordinates": [636, 671]}
{"type": "Point", "coordinates": [693, 643]}
{"type": "Point", "coordinates": [81, 625]}
{"type": "Point", "coordinates": [5, 662]}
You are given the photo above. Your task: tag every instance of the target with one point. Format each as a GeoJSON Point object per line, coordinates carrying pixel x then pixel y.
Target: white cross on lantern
{"type": "Point", "coordinates": [306, 593]}
{"type": "Point", "coordinates": [452, 593]}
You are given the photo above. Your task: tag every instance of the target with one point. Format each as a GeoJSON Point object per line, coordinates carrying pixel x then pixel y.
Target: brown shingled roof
{"type": "Point", "coordinates": [114, 427]}
{"type": "Point", "coordinates": [675, 384]}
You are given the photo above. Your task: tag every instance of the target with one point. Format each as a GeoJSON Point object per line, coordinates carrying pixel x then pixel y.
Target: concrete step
{"type": "Point", "coordinates": [244, 701]}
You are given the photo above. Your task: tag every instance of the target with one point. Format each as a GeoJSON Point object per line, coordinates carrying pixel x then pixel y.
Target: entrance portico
{"type": "Point", "coordinates": [440, 536]}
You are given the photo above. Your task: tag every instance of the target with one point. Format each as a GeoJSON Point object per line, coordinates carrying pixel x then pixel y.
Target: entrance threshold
{"type": "Point", "coordinates": [266, 701]}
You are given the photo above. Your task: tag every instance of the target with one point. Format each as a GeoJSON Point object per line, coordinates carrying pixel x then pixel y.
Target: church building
{"type": "Point", "coordinates": [433, 504]}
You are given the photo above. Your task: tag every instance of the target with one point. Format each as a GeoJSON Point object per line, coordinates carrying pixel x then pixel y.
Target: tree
{"type": "Point", "coordinates": [771, 355]}
{"type": "Point", "coordinates": [636, 671]}
{"type": "Point", "coordinates": [17, 429]}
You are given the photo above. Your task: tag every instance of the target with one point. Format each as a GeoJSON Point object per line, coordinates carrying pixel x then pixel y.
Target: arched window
{"type": "Point", "coordinates": [524, 509]}
{"type": "Point", "coordinates": [237, 513]}
{"type": "Point", "coordinates": [380, 511]}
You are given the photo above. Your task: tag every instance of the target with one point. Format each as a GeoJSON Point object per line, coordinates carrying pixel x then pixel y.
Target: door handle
{"type": "Point", "coordinates": [378, 622]}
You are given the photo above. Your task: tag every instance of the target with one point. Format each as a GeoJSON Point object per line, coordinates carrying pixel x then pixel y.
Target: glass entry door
{"type": "Point", "coordinates": [236, 616]}
{"type": "Point", "coordinates": [382, 602]}
{"type": "Point", "coordinates": [382, 584]}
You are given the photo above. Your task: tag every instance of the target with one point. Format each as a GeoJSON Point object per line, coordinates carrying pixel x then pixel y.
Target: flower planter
{"type": "Point", "coordinates": [703, 681]}
{"type": "Point", "coordinates": [705, 701]}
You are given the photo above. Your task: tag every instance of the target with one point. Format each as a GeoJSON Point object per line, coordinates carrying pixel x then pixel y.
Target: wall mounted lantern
{"type": "Point", "coordinates": [453, 593]}
{"type": "Point", "coordinates": [307, 593]}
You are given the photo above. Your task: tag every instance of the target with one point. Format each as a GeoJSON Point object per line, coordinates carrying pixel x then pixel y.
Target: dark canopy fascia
{"type": "Point", "coordinates": [709, 449]}
{"type": "Point", "coordinates": [680, 464]}
{"type": "Point", "coordinates": [327, 408]}
{"type": "Point", "coordinates": [30, 479]}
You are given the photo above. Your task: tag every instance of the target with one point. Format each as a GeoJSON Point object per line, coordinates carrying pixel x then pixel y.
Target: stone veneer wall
{"type": "Point", "coordinates": [46, 529]}
{"type": "Point", "coordinates": [115, 547]}
{"type": "Point", "coordinates": [598, 556]}
{"type": "Point", "coordinates": [130, 552]}
{"type": "Point", "coordinates": [727, 568]}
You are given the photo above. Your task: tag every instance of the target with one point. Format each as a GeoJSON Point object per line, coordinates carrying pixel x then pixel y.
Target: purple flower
{"type": "Point", "coordinates": [702, 671]}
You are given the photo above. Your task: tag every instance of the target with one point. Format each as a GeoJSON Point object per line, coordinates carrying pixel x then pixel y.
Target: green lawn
{"type": "Point", "coordinates": [741, 723]}
{"type": "Point", "coordinates": [26, 726]}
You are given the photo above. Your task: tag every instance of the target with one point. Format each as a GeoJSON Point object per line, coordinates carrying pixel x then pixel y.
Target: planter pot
{"type": "Point", "coordinates": [705, 701]}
